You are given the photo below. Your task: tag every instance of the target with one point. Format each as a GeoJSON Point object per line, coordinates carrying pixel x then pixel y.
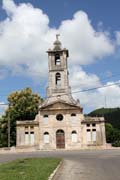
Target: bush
{"type": "Point", "coordinates": [116, 143]}
{"type": "Point", "coordinates": [112, 135]}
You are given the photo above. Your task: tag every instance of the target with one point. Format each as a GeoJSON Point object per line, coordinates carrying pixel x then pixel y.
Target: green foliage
{"type": "Point", "coordinates": [3, 132]}
{"type": "Point", "coordinates": [116, 143]}
{"type": "Point", "coordinates": [111, 115]}
{"type": "Point", "coordinates": [23, 105]}
{"type": "Point", "coordinates": [112, 119]}
{"type": "Point", "coordinates": [32, 169]}
{"type": "Point", "coordinates": [103, 111]}
{"type": "Point", "coordinates": [112, 134]}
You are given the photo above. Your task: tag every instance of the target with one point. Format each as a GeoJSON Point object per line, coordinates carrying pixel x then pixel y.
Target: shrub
{"type": "Point", "coordinates": [116, 143]}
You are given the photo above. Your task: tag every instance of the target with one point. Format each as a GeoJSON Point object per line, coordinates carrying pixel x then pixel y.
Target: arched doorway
{"type": "Point", "coordinates": [60, 139]}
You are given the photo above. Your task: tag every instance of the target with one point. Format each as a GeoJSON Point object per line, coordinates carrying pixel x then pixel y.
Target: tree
{"type": "Point", "coordinates": [112, 135]}
{"type": "Point", "coordinates": [3, 132]}
{"type": "Point", "coordinates": [23, 105]}
{"type": "Point", "coordinates": [109, 133]}
{"type": "Point", "coordinates": [112, 119]}
{"type": "Point", "coordinates": [111, 115]}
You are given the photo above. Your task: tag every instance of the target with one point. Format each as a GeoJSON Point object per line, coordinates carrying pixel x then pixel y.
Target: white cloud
{"type": "Point", "coordinates": [108, 96]}
{"type": "Point", "coordinates": [85, 43]}
{"type": "Point", "coordinates": [103, 97]}
{"type": "Point", "coordinates": [79, 79]}
{"type": "Point", "coordinates": [111, 93]}
{"type": "Point", "coordinates": [118, 37]}
{"type": "Point", "coordinates": [3, 107]}
{"type": "Point", "coordinates": [23, 38]}
{"type": "Point", "coordinates": [9, 6]}
{"type": "Point", "coordinates": [25, 35]}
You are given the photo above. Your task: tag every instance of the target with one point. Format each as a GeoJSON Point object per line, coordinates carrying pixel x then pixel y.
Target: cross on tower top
{"type": "Point", "coordinates": [57, 35]}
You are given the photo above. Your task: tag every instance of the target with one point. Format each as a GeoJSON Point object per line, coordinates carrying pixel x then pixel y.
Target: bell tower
{"type": "Point", "coordinates": [58, 82]}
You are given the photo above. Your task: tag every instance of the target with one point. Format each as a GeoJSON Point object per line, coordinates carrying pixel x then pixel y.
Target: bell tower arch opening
{"type": "Point", "coordinates": [58, 79]}
{"type": "Point", "coordinates": [57, 59]}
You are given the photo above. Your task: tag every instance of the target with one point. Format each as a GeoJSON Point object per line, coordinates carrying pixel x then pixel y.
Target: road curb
{"type": "Point", "coordinates": [56, 170]}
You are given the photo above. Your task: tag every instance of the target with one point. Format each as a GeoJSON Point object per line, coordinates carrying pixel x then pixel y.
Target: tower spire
{"type": "Point", "coordinates": [57, 43]}
{"type": "Point", "coordinates": [57, 36]}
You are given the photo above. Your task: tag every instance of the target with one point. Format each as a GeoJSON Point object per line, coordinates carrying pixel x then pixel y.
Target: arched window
{"type": "Point", "coordinates": [46, 115]}
{"type": "Point", "coordinates": [45, 119]}
{"type": "Point", "coordinates": [73, 114]}
{"type": "Point", "coordinates": [88, 136]}
{"type": "Point", "coordinates": [46, 137]}
{"type": "Point", "coordinates": [74, 136]}
{"type": "Point", "coordinates": [32, 138]}
{"type": "Point", "coordinates": [57, 59]}
{"type": "Point", "coordinates": [91, 135]}
{"type": "Point", "coordinates": [58, 79]}
{"type": "Point", "coordinates": [94, 135]}
{"type": "Point", "coordinates": [73, 118]}
{"type": "Point", "coordinates": [26, 138]}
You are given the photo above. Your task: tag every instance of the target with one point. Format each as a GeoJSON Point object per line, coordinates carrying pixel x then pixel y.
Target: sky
{"type": "Point", "coordinates": [89, 29]}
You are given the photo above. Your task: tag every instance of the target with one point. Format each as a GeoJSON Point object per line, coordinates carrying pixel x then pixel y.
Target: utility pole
{"type": "Point", "coordinates": [9, 128]}
{"type": "Point", "coordinates": [105, 102]}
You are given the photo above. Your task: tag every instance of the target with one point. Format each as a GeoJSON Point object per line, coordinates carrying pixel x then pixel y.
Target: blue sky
{"type": "Point", "coordinates": [90, 29]}
{"type": "Point", "coordinates": [104, 11]}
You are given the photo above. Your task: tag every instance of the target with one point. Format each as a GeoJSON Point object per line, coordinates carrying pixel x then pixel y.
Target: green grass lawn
{"type": "Point", "coordinates": [28, 169]}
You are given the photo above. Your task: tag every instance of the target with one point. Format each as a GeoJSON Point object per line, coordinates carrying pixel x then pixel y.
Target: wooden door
{"type": "Point", "coordinates": [60, 139]}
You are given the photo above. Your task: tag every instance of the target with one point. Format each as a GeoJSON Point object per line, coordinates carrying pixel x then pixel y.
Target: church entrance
{"type": "Point", "coordinates": [60, 139]}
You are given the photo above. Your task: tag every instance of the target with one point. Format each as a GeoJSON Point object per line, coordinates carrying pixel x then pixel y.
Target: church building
{"type": "Point", "coordinates": [60, 122]}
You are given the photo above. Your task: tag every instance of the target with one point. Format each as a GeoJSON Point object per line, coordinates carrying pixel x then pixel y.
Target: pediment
{"type": "Point", "coordinates": [60, 105]}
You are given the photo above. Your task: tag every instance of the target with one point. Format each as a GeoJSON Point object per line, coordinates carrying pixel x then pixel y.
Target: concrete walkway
{"type": "Point", "coordinates": [70, 170]}
{"type": "Point", "coordinates": [93, 166]}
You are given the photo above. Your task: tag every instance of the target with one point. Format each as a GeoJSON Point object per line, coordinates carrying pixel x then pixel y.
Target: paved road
{"type": "Point", "coordinates": [80, 165]}
{"type": "Point", "coordinates": [95, 165]}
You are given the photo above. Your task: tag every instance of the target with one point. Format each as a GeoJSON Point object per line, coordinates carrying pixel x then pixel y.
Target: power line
{"type": "Point", "coordinates": [79, 91]}
{"type": "Point", "coordinates": [104, 86]}
{"type": "Point", "coordinates": [4, 104]}
{"type": "Point", "coordinates": [85, 90]}
{"type": "Point", "coordinates": [102, 79]}
{"type": "Point", "coordinates": [42, 88]}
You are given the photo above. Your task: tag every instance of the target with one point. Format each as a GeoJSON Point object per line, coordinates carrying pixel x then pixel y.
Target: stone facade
{"type": "Point", "coordinates": [60, 123]}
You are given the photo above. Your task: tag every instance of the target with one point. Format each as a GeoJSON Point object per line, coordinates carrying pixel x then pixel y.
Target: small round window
{"type": "Point", "coordinates": [59, 117]}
